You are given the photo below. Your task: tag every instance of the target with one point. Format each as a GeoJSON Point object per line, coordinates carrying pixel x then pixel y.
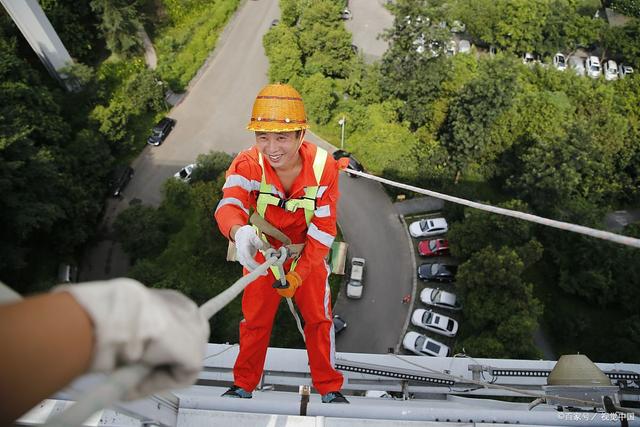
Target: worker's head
{"type": "Point", "coordinates": [279, 121]}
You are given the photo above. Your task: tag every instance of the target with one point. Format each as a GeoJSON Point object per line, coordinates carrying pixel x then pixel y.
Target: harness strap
{"type": "Point", "coordinates": [267, 196]}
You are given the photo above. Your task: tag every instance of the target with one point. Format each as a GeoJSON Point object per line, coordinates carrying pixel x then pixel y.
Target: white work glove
{"type": "Point", "coordinates": [162, 329]}
{"type": "Point", "coordinates": [247, 245]}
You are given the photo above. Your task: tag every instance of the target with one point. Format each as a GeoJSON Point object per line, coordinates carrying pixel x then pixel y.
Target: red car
{"type": "Point", "coordinates": [433, 247]}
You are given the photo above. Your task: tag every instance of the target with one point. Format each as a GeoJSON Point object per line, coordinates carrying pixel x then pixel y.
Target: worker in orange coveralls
{"type": "Point", "coordinates": [293, 185]}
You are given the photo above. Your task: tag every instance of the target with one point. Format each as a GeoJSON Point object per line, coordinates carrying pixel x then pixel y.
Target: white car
{"type": "Point", "coordinates": [464, 46]}
{"type": "Point", "coordinates": [435, 322]}
{"type": "Point", "coordinates": [527, 58]}
{"type": "Point", "coordinates": [428, 227]}
{"type": "Point", "coordinates": [355, 284]}
{"type": "Point", "coordinates": [577, 64]}
{"type": "Point", "coordinates": [610, 70]}
{"type": "Point", "coordinates": [624, 71]}
{"type": "Point", "coordinates": [593, 67]}
{"type": "Point", "coordinates": [559, 62]}
{"type": "Point", "coordinates": [184, 174]}
{"type": "Point", "coordinates": [439, 298]}
{"type": "Point", "coordinates": [424, 346]}
{"type": "Point", "coordinates": [452, 48]}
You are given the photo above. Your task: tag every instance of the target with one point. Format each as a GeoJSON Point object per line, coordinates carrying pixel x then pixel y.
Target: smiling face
{"type": "Point", "coordinates": [280, 148]}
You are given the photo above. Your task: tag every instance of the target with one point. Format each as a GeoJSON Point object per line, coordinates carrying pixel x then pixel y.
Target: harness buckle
{"type": "Point", "coordinates": [282, 203]}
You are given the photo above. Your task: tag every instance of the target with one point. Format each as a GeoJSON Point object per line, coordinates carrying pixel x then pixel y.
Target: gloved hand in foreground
{"type": "Point", "coordinates": [247, 245]}
{"type": "Point", "coordinates": [132, 323]}
{"type": "Point", "coordinates": [294, 280]}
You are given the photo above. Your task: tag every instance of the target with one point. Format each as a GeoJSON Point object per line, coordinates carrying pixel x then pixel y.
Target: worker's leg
{"type": "Point", "coordinates": [313, 299]}
{"type": "Point", "coordinates": [259, 305]}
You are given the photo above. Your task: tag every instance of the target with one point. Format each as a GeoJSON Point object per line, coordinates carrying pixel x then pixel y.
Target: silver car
{"type": "Point", "coordinates": [424, 346]}
{"type": "Point", "coordinates": [435, 322]}
{"type": "Point", "coordinates": [577, 65]}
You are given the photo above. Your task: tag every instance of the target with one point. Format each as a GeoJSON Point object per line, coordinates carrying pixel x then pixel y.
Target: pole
{"type": "Point", "coordinates": [342, 121]}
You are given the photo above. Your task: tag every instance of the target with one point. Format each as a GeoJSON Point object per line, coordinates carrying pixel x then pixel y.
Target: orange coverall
{"type": "Point", "coordinates": [260, 300]}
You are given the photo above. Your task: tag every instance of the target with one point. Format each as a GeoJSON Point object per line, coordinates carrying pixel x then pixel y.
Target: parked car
{"type": "Point", "coordinates": [458, 27]}
{"type": "Point", "coordinates": [161, 130]}
{"type": "Point", "coordinates": [120, 177]}
{"type": "Point", "coordinates": [436, 272]}
{"type": "Point", "coordinates": [355, 284]}
{"type": "Point", "coordinates": [346, 14]}
{"type": "Point", "coordinates": [275, 22]}
{"type": "Point", "coordinates": [339, 324]}
{"type": "Point", "coordinates": [353, 163]}
{"type": "Point", "coordinates": [433, 247]}
{"type": "Point", "coordinates": [184, 174]}
{"type": "Point", "coordinates": [452, 48]}
{"type": "Point", "coordinates": [439, 298]}
{"type": "Point", "coordinates": [435, 322]}
{"type": "Point", "coordinates": [593, 67]}
{"type": "Point", "coordinates": [464, 46]}
{"type": "Point", "coordinates": [428, 227]}
{"type": "Point", "coordinates": [610, 70]}
{"type": "Point", "coordinates": [559, 62]}
{"type": "Point", "coordinates": [528, 58]}
{"type": "Point", "coordinates": [424, 346]}
{"type": "Point", "coordinates": [624, 71]}
{"type": "Point", "coordinates": [577, 64]}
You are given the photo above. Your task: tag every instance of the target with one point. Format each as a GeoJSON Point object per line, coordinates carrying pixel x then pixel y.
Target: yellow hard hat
{"type": "Point", "coordinates": [278, 108]}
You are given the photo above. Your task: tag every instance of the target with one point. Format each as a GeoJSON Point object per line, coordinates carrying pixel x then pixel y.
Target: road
{"type": "Point", "coordinates": [212, 116]}
{"type": "Point", "coordinates": [370, 19]}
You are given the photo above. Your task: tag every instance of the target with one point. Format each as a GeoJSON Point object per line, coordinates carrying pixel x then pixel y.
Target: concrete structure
{"type": "Point", "coordinates": [42, 37]}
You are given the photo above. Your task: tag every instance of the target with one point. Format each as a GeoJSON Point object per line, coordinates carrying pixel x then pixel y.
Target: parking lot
{"type": "Point", "coordinates": [415, 302]}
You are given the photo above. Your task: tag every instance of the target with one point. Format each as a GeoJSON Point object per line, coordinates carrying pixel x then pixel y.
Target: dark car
{"type": "Point", "coordinates": [120, 177]}
{"type": "Point", "coordinates": [160, 131]}
{"type": "Point", "coordinates": [436, 272]}
{"type": "Point", "coordinates": [338, 323]}
{"type": "Point", "coordinates": [353, 163]}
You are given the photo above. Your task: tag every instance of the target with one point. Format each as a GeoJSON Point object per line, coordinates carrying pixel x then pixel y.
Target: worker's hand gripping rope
{"type": "Point", "coordinates": [247, 245]}
{"type": "Point", "coordinates": [288, 283]}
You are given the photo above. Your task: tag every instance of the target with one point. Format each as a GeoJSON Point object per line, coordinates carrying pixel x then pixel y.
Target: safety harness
{"type": "Point", "coordinates": [268, 196]}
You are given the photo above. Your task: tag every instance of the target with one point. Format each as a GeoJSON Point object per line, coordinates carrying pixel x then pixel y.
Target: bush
{"type": "Point", "coordinates": [189, 37]}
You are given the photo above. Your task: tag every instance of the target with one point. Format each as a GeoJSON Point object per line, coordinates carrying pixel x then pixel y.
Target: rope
{"type": "Point", "coordinates": [295, 315]}
{"type": "Point", "coordinates": [119, 382]}
{"type": "Point", "coordinates": [567, 226]}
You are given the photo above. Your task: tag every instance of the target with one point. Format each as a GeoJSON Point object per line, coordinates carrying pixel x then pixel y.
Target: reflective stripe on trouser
{"type": "Point", "coordinates": [259, 305]}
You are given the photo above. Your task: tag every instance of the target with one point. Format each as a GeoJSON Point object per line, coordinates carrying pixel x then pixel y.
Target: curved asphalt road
{"type": "Point", "coordinates": [212, 116]}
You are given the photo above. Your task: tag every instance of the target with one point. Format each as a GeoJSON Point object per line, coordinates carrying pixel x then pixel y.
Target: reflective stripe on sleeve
{"type": "Point", "coordinates": [232, 201]}
{"type": "Point", "coordinates": [322, 237]}
{"type": "Point", "coordinates": [322, 211]}
{"type": "Point", "coordinates": [321, 191]}
{"type": "Point", "coordinates": [242, 182]}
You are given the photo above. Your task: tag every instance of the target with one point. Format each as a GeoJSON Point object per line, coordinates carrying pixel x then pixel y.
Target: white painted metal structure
{"type": "Point", "coordinates": [42, 37]}
{"type": "Point", "coordinates": [432, 391]}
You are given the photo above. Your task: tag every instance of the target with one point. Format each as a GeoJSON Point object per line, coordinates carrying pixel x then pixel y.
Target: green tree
{"type": "Point", "coordinates": [210, 166]}
{"type": "Point", "coordinates": [75, 24]}
{"type": "Point", "coordinates": [120, 24]}
{"type": "Point", "coordinates": [481, 229]}
{"type": "Point", "coordinates": [281, 46]}
{"type": "Point", "coordinates": [623, 43]}
{"type": "Point", "coordinates": [477, 131]}
{"type": "Point", "coordinates": [289, 12]}
{"type": "Point", "coordinates": [140, 229]}
{"type": "Point", "coordinates": [319, 98]}
{"type": "Point", "coordinates": [496, 298]}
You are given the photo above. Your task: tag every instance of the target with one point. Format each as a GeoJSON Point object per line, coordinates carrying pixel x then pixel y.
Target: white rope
{"type": "Point", "coordinates": [567, 226]}
{"type": "Point", "coordinates": [123, 379]}
{"type": "Point", "coordinates": [295, 316]}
